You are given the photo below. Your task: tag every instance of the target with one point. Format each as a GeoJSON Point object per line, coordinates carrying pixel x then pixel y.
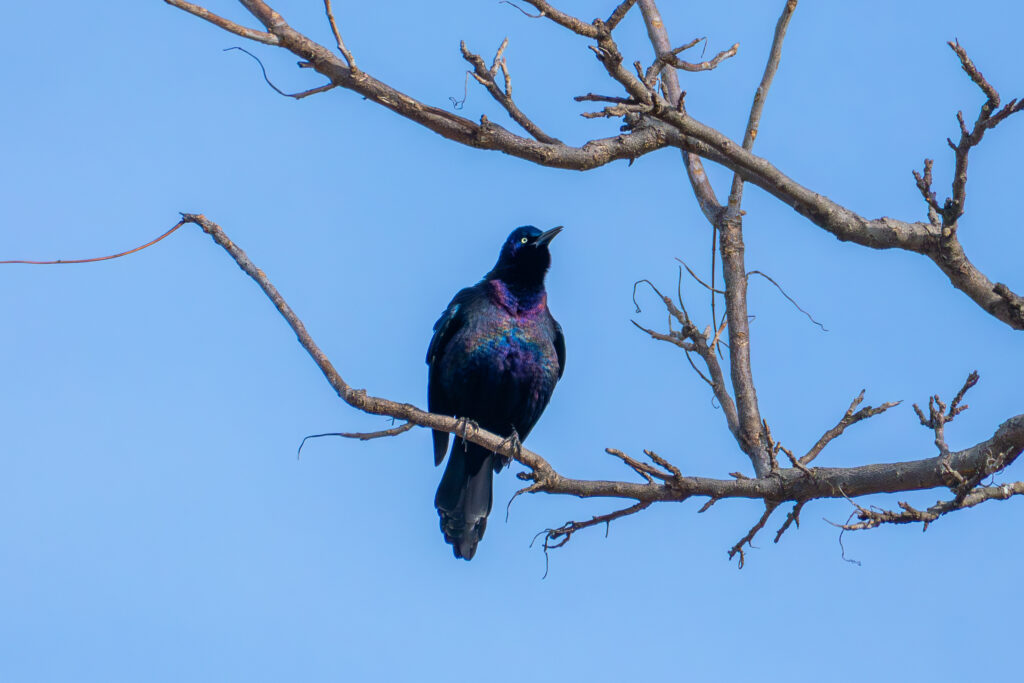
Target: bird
{"type": "Point", "coordinates": [494, 359]}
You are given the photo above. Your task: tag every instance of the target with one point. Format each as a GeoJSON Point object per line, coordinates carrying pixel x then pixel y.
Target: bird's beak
{"type": "Point", "coordinates": [546, 237]}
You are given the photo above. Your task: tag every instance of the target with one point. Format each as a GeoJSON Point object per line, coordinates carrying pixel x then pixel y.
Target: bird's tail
{"type": "Point", "coordinates": [464, 496]}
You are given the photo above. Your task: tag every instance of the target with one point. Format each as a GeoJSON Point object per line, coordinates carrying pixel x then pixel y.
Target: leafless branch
{"type": "Point", "coordinates": [349, 59]}
{"type": "Point", "coordinates": [577, 26]}
{"type": "Point", "coordinates": [699, 182]}
{"type": "Point", "coordinates": [938, 418]}
{"type": "Point", "coordinates": [295, 96]}
{"type": "Point", "coordinates": [792, 518]}
{"type": "Point", "coordinates": [788, 297]}
{"type": "Point", "coordinates": [666, 125]}
{"type": "Point", "coordinates": [924, 184]}
{"type": "Point", "coordinates": [760, 95]}
{"type": "Point", "coordinates": [689, 338]}
{"type": "Point", "coordinates": [362, 436]}
{"type": "Point", "coordinates": [230, 26]}
{"type": "Point", "coordinates": [699, 281]}
{"type": "Point", "coordinates": [657, 118]}
{"type": "Point", "coordinates": [671, 59]}
{"type": "Point", "coordinates": [486, 77]}
{"type": "Point", "coordinates": [619, 14]}
{"type": "Point", "coordinates": [769, 508]}
{"type": "Point", "coordinates": [784, 485]}
{"type": "Point", "coordinates": [989, 117]}
{"type": "Point", "coordinates": [849, 418]}
{"type": "Point", "coordinates": [869, 519]}
{"type": "Point", "coordinates": [556, 538]}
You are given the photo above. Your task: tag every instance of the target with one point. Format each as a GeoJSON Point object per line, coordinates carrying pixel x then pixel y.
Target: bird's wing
{"type": "Point", "coordinates": [450, 322]}
{"type": "Point", "coordinates": [559, 347]}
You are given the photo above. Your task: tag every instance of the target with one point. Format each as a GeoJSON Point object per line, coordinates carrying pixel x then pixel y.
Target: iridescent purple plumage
{"type": "Point", "coordinates": [495, 358]}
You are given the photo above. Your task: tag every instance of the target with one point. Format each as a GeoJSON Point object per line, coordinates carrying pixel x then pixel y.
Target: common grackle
{"type": "Point", "coordinates": [494, 359]}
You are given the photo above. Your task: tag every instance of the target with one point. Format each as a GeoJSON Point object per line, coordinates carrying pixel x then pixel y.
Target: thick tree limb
{"type": "Point", "coordinates": [1003, 448]}
{"type": "Point", "coordinates": [663, 126]}
{"type": "Point", "coordinates": [656, 119]}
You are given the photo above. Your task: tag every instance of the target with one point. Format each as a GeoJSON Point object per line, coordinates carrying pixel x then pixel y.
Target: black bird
{"type": "Point", "coordinates": [494, 359]}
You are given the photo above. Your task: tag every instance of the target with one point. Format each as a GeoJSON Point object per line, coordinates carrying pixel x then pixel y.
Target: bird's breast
{"type": "Point", "coordinates": [505, 354]}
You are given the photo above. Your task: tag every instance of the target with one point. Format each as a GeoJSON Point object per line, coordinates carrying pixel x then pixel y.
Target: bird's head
{"type": "Point", "coordinates": [524, 257]}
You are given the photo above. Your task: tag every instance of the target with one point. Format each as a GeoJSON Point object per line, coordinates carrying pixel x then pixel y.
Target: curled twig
{"type": "Point", "coordinates": [362, 436]}
{"type": "Point", "coordinates": [296, 96]}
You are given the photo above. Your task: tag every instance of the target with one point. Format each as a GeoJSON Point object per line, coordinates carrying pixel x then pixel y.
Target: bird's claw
{"type": "Point", "coordinates": [515, 444]}
{"type": "Point", "coordinates": [464, 424]}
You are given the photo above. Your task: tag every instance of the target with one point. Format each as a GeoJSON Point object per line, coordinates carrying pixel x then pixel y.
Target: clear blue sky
{"type": "Point", "coordinates": [154, 521]}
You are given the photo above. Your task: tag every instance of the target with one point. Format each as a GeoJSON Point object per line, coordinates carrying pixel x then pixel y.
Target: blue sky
{"type": "Point", "coordinates": [154, 521]}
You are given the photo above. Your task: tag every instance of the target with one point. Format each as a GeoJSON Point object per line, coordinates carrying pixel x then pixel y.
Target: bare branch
{"type": "Point", "coordinates": [788, 297]}
{"type": "Point", "coordinates": [1005, 445]}
{"type": "Point", "coordinates": [486, 78]}
{"type": "Point", "coordinates": [230, 26]}
{"type": "Point", "coordinates": [556, 538]}
{"type": "Point", "coordinates": [760, 95]}
{"type": "Point", "coordinates": [769, 508]}
{"type": "Point", "coordinates": [670, 58]}
{"type": "Point", "coordinates": [988, 117]}
{"type": "Point", "coordinates": [619, 14]}
{"type": "Point", "coordinates": [849, 418]}
{"type": "Point", "coordinates": [924, 184]}
{"type": "Point", "coordinates": [669, 127]}
{"type": "Point", "coordinates": [296, 96]}
{"type": "Point", "coordinates": [97, 258]}
{"type": "Point", "coordinates": [689, 336]}
{"type": "Point", "coordinates": [750, 435]}
{"type": "Point", "coordinates": [699, 281]}
{"type": "Point", "coordinates": [570, 22]}
{"type": "Point", "coordinates": [658, 35]}
{"type": "Point", "coordinates": [792, 518]}
{"type": "Point", "coordinates": [938, 418]}
{"type": "Point", "coordinates": [869, 519]}
{"type": "Point", "coordinates": [362, 436]}
{"type": "Point", "coordinates": [349, 59]}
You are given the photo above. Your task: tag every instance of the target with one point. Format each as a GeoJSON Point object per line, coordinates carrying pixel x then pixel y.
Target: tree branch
{"type": "Point", "coordinates": [788, 484]}
{"type": "Point", "coordinates": [869, 519]}
{"type": "Point", "coordinates": [969, 465]}
{"type": "Point", "coordinates": [663, 126]}
{"type": "Point", "coordinates": [760, 95]}
{"type": "Point", "coordinates": [849, 418]}
{"type": "Point", "coordinates": [230, 26]}
{"type": "Point", "coordinates": [486, 78]}
{"type": "Point", "coordinates": [658, 35]}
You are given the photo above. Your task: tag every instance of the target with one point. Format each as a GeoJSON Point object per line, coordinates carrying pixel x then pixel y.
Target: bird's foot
{"type": "Point", "coordinates": [465, 423]}
{"type": "Point", "coordinates": [515, 444]}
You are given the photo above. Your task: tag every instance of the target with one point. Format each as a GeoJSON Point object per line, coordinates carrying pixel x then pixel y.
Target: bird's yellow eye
{"type": "Point", "coordinates": [525, 240]}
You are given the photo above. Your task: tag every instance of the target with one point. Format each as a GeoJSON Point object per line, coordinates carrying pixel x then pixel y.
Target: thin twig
{"type": "Point", "coordinates": [788, 297]}
{"type": "Point", "coordinates": [295, 96]}
{"type": "Point", "coordinates": [98, 258]}
{"type": "Point", "coordinates": [849, 418]}
{"type": "Point", "coordinates": [756, 109]}
{"type": "Point", "coordinates": [230, 26]}
{"type": "Point", "coordinates": [792, 518]}
{"type": "Point", "coordinates": [362, 436]}
{"type": "Point", "coordinates": [769, 508]}
{"type": "Point", "coordinates": [486, 77]}
{"type": "Point", "coordinates": [349, 59]}
{"type": "Point", "coordinates": [694, 276]}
